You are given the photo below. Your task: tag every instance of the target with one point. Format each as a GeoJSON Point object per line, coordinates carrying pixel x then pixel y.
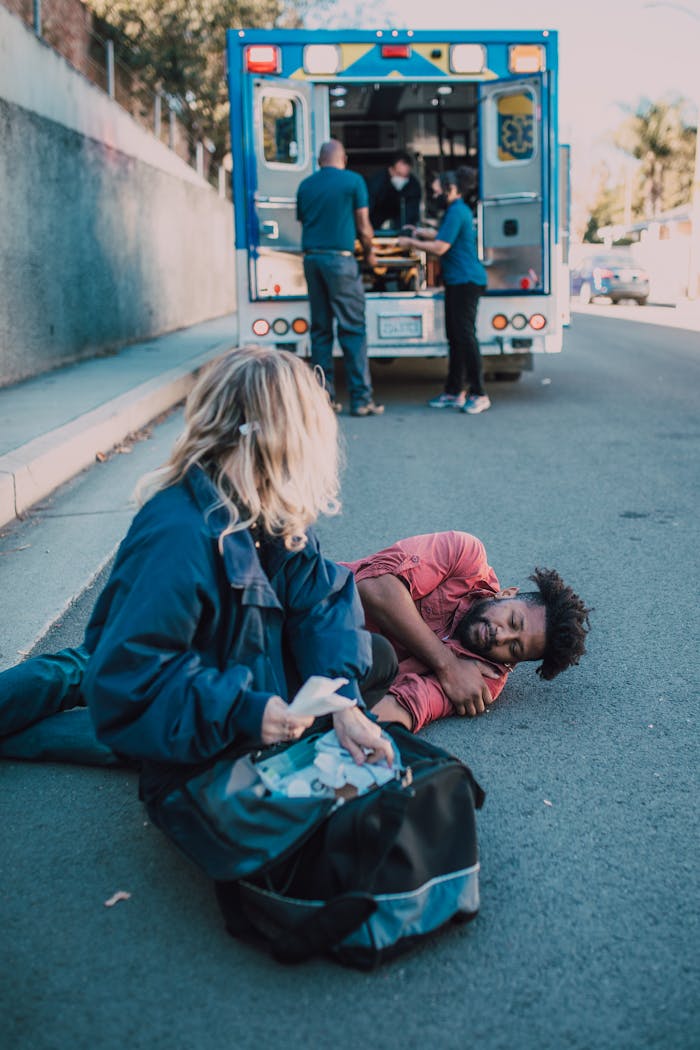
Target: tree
{"type": "Point", "coordinates": [176, 47]}
{"type": "Point", "coordinates": [659, 135]}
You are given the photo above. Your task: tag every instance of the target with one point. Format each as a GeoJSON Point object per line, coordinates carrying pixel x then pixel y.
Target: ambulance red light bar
{"type": "Point", "coordinates": [396, 50]}
{"type": "Point", "coordinates": [262, 58]}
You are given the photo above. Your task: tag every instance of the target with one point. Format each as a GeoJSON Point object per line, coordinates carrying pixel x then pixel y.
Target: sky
{"type": "Point", "coordinates": [612, 53]}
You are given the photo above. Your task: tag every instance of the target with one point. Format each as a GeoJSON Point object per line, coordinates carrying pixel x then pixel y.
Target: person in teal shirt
{"type": "Point", "coordinates": [465, 281]}
{"type": "Point", "coordinates": [333, 208]}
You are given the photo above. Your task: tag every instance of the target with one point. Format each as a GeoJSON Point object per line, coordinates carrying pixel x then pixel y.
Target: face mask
{"type": "Point", "coordinates": [398, 182]}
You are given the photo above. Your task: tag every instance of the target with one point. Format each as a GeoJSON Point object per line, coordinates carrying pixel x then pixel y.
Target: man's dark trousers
{"type": "Point", "coordinates": [335, 290]}
{"type": "Point", "coordinates": [461, 303]}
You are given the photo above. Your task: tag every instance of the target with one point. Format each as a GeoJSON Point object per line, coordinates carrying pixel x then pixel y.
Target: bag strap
{"type": "Point", "coordinates": [327, 927]}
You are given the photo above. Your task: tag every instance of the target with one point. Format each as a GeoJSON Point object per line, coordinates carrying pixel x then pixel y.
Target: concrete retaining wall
{"type": "Point", "coordinates": [105, 235]}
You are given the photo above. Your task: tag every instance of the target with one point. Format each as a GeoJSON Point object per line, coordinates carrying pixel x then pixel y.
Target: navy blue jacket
{"type": "Point", "coordinates": [187, 646]}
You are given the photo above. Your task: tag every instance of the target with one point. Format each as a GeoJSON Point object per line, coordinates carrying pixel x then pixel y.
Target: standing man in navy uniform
{"type": "Point", "coordinates": [333, 208]}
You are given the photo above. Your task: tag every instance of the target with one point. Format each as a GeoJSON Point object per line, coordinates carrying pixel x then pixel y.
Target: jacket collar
{"type": "Point", "coordinates": [240, 551]}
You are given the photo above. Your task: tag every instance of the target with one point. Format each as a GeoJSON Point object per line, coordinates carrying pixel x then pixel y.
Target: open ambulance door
{"type": "Point", "coordinates": [283, 155]}
{"type": "Point", "coordinates": [564, 230]}
{"type": "Point", "coordinates": [513, 221]}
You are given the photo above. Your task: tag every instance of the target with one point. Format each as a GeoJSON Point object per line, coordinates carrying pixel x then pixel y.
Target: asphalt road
{"type": "Point", "coordinates": [588, 933]}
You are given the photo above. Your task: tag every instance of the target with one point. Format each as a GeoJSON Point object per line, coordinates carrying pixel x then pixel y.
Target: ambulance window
{"type": "Point", "coordinates": [514, 115]}
{"type": "Point", "coordinates": [281, 118]}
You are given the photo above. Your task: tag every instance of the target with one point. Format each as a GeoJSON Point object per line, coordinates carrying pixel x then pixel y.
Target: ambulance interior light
{"type": "Point", "coordinates": [526, 58]}
{"type": "Point", "coordinates": [262, 58]}
{"type": "Point", "coordinates": [467, 58]}
{"type": "Point", "coordinates": [321, 60]}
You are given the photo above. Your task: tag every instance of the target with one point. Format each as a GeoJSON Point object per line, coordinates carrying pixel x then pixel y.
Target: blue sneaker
{"type": "Point", "coordinates": [476, 403]}
{"type": "Point", "coordinates": [448, 401]}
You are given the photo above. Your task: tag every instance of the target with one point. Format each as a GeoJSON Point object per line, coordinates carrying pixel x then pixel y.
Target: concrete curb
{"type": "Point", "coordinates": [31, 472]}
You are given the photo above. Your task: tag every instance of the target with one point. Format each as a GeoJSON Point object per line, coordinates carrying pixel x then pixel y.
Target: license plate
{"type": "Point", "coordinates": [400, 326]}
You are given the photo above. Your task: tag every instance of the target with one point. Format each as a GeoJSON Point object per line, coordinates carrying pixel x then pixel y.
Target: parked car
{"type": "Point", "coordinates": [613, 274]}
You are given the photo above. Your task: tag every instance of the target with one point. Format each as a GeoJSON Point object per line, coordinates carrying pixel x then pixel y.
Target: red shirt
{"type": "Point", "coordinates": [445, 572]}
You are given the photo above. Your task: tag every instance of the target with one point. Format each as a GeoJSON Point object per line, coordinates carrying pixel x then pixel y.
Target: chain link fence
{"type": "Point", "coordinates": [68, 26]}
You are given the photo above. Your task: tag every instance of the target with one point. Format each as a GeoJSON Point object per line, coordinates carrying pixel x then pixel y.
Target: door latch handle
{"type": "Point", "coordinates": [270, 229]}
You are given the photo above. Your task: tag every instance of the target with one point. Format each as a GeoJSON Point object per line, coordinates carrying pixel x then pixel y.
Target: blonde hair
{"type": "Point", "coordinates": [260, 424]}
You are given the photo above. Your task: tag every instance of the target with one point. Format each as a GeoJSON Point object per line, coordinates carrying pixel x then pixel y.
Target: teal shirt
{"type": "Point", "coordinates": [460, 265]}
{"type": "Point", "coordinates": [326, 205]}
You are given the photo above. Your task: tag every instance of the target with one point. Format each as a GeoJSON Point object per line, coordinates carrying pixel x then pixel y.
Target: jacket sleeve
{"type": "Point", "coordinates": [150, 693]}
{"type": "Point", "coordinates": [324, 619]}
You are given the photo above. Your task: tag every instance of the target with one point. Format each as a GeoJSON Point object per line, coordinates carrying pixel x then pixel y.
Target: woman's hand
{"type": "Point", "coordinates": [361, 737]}
{"type": "Point", "coordinates": [278, 724]}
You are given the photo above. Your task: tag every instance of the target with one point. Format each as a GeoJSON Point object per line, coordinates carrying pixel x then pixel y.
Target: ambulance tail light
{"type": "Point", "coordinates": [262, 58]}
{"type": "Point", "coordinates": [321, 60]}
{"type": "Point", "coordinates": [261, 327]}
{"type": "Point", "coordinates": [467, 58]}
{"type": "Point", "coordinates": [499, 322]}
{"type": "Point", "coordinates": [518, 322]}
{"type": "Point", "coordinates": [396, 50]}
{"type": "Point", "coordinates": [538, 322]}
{"type": "Point", "coordinates": [300, 325]}
{"type": "Point", "coordinates": [280, 326]}
{"type": "Point", "coordinates": [526, 58]}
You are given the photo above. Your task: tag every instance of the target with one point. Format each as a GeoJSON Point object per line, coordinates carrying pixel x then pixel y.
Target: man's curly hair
{"type": "Point", "coordinates": [567, 622]}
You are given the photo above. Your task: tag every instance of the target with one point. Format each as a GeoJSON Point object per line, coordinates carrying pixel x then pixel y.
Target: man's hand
{"type": "Point", "coordinates": [405, 242]}
{"type": "Point", "coordinates": [361, 737]}
{"type": "Point", "coordinates": [463, 681]}
{"type": "Point", "coordinates": [278, 724]}
{"type": "Point", "coordinates": [370, 259]}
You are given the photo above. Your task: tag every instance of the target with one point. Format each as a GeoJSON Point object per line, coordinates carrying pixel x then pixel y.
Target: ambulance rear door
{"type": "Point", "coordinates": [283, 155]}
{"type": "Point", "coordinates": [513, 222]}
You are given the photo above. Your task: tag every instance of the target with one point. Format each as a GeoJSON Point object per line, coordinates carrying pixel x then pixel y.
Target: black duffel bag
{"type": "Point", "coordinates": [361, 880]}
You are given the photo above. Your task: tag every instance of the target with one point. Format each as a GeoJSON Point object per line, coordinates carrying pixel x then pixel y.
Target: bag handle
{"type": "Point", "coordinates": [327, 927]}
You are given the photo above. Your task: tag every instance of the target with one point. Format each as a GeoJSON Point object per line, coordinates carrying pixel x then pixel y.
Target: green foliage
{"type": "Point", "coordinates": [660, 137]}
{"type": "Point", "coordinates": [177, 47]}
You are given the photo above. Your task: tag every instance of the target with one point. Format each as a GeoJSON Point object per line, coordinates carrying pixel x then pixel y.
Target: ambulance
{"type": "Point", "coordinates": [449, 99]}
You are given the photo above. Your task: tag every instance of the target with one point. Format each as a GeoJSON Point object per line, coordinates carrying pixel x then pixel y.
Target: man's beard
{"type": "Point", "coordinates": [473, 625]}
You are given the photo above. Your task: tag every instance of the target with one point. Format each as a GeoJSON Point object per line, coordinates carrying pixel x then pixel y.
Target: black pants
{"type": "Point", "coordinates": [382, 673]}
{"type": "Point", "coordinates": [461, 303]}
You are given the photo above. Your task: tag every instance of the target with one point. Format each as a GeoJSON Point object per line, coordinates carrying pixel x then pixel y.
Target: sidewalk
{"type": "Point", "coordinates": [683, 314]}
{"type": "Point", "coordinates": [53, 426]}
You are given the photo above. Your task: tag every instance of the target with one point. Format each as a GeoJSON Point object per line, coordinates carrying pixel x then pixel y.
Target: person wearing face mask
{"type": "Point", "coordinates": [464, 278]}
{"type": "Point", "coordinates": [394, 195]}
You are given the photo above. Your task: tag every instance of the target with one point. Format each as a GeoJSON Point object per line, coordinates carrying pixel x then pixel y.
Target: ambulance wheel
{"type": "Point", "coordinates": [585, 295]}
{"type": "Point", "coordinates": [507, 377]}
{"type": "Point", "coordinates": [383, 360]}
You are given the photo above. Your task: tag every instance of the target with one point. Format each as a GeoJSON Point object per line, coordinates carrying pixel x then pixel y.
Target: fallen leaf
{"type": "Point", "coordinates": [547, 802]}
{"type": "Point", "coordinates": [120, 895]}
{"type": "Point", "coordinates": [546, 382]}
{"type": "Point", "coordinates": [100, 457]}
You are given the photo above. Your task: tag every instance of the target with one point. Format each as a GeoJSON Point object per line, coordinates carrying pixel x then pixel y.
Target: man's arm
{"type": "Point", "coordinates": [365, 234]}
{"type": "Point", "coordinates": [432, 247]}
{"type": "Point", "coordinates": [391, 608]}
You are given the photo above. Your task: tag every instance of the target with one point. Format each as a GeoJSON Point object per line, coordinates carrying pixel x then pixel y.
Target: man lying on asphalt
{"type": "Point", "coordinates": [457, 636]}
